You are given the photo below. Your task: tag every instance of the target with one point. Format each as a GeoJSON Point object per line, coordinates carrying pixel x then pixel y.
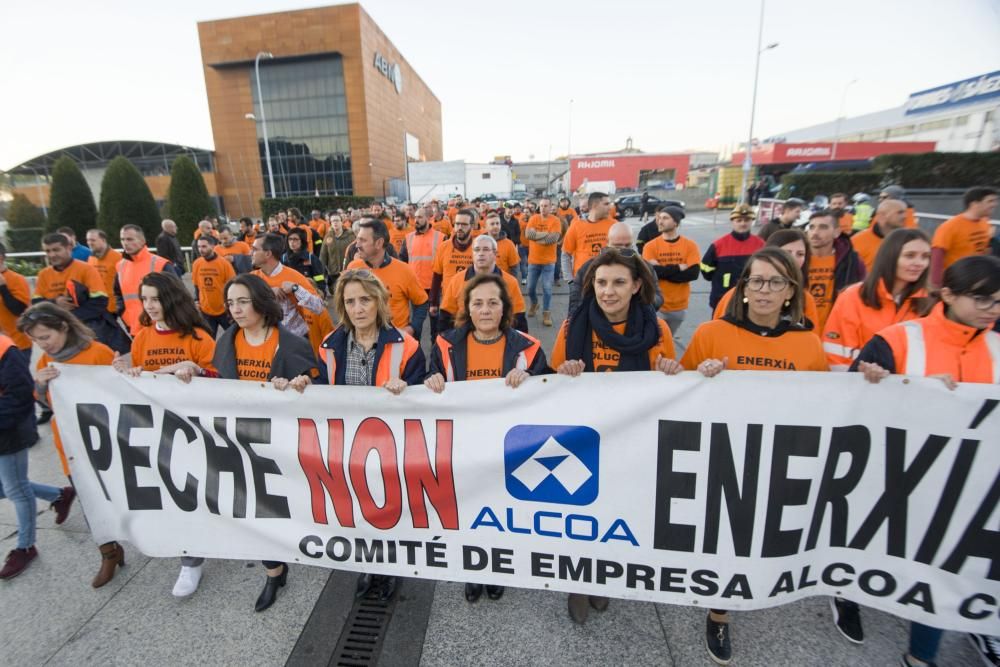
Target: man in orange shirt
{"type": "Point", "coordinates": [899, 193]}
{"type": "Point", "coordinates": [588, 236]}
{"type": "Point", "coordinates": [398, 232]}
{"type": "Point", "coordinates": [319, 225]}
{"type": "Point", "coordinates": [235, 252]}
{"type": "Point", "coordinates": [676, 262]}
{"type": "Point", "coordinates": [838, 204]}
{"type": "Point", "coordinates": [204, 227]}
{"type": "Point", "coordinates": [440, 221]}
{"type": "Point", "coordinates": [968, 233]}
{"type": "Point", "coordinates": [484, 261]}
{"type": "Point", "coordinates": [105, 259]}
{"type": "Point", "coordinates": [397, 276]}
{"type": "Point", "coordinates": [507, 258]}
{"type": "Point", "coordinates": [209, 275]}
{"type": "Point", "coordinates": [833, 264]}
{"type": "Point", "coordinates": [15, 297]}
{"type": "Point", "coordinates": [453, 256]}
{"type": "Point", "coordinates": [891, 215]}
{"type": "Point", "coordinates": [543, 232]}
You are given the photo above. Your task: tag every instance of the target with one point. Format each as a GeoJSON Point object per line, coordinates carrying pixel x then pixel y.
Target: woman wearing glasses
{"type": "Point", "coordinates": [954, 343]}
{"type": "Point", "coordinates": [259, 349]}
{"type": "Point", "coordinates": [614, 329]}
{"type": "Point", "coordinates": [66, 340]}
{"type": "Point", "coordinates": [175, 340]}
{"type": "Point", "coordinates": [761, 330]}
{"type": "Point", "coordinates": [484, 345]}
{"type": "Point", "coordinates": [366, 350]}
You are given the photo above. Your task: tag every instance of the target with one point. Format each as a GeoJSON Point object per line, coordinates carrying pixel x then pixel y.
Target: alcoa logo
{"type": "Point", "coordinates": [552, 464]}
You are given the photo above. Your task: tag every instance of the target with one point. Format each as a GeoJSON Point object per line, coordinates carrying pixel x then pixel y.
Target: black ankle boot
{"type": "Point", "coordinates": [364, 586]}
{"type": "Point", "coordinates": [388, 588]}
{"type": "Point", "coordinates": [494, 592]}
{"type": "Point", "coordinates": [473, 592]}
{"type": "Point", "coordinates": [270, 592]}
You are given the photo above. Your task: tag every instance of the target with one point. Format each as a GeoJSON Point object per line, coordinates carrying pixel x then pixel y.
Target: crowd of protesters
{"type": "Point", "coordinates": [809, 292]}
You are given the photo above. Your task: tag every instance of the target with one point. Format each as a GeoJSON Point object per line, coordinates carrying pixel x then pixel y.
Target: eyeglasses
{"type": "Point", "coordinates": [242, 303]}
{"type": "Point", "coordinates": [774, 284]}
{"type": "Point", "coordinates": [983, 302]}
{"type": "Point", "coordinates": [624, 252]}
{"type": "Point", "coordinates": [356, 273]}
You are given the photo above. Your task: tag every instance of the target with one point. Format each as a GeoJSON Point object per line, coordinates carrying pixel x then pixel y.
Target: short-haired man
{"type": "Point", "coordinates": [136, 262]}
{"type": "Point", "coordinates": [507, 258]}
{"type": "Point", "coordinates": [891, 215]}
{"type": "Point", "coordinates": [205, 227]}
{"type": "Point", "coordinates": [303, 311]}
{"type": "Point", "coordinates": [209, 275]}
{"type": "Point", "coordinates": [968, 233]}
{"type": "Point", "coordinates": [838, 205]}
{"type": "Point", "coordinates": [167, 245]}
{"type": "Point", "coordinates": [80, 251]}
{"type": "Point", "coordinates": [725, 258]}
{"type": "Point", "coordinates": [105, 259]}
{"type": "Point", "coordinates": [898, 192]}
{"type": "Point", "coordinates": [543, 232]}
{"type": "Point", "coordinates": [790, 213]}
{"type": "Point", "coordinates": [398, 232]}
{"type": "Point", "coordinates": [484, 261]}
{"type": "Point", "coordinates": [419, 250]}
{"type": "Point", "coordinates": [452, 256]}
{"type": "Point", "coordinates": [833, 263]}
{"type": "Point", "coordinates": [232, 250]}
{"type": "Point", "coordinates": [675, 261]}
{"type": "Point", "coordinates": [405, 293]}
{"type": "Point", "coordinates": [587, 236]}
{"type": "Point", "coordinates": [248, 231]}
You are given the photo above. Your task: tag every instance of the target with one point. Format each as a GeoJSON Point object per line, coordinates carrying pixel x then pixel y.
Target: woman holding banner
{"type": "Point", "coordinates": [66, 340]}
{"type": "Point", "coordinates": [614, 329]}
{"type": "Point", "coordinates": [893, 291]}
{"type": "Point", "coordinates": [761, 330]}
{"type": "Point", "coordinates": [173, 340]}
{"type": "Point", "coordinates": [954, 343]}
{"type": "Point", "coordinates": [483, 346]}
{"type": "Point", "coordinates": [259, 349]}
{"type": "Point", "coordinates": [367, 351]}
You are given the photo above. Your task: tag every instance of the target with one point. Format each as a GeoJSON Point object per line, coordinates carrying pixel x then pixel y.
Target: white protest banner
{"type": "Point", "coordinates": [739, 492]}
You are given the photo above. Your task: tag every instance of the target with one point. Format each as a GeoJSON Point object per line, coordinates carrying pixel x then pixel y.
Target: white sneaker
{"type": "Point", "coordinates": [187, 581]}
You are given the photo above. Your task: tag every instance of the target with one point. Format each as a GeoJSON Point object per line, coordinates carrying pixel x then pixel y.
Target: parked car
{"type": "Point", "coordinates": [631, 205]}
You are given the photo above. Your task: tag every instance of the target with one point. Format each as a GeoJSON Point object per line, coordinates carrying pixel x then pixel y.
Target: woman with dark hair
{"type": "Point", "coordinates": [299, 258]}
{"type": "Point", "coordinates": [66, 340]}
{"type": "Point", "coordinates": [953, 343]}
{"type": "Point", "coordinates": [762, 329]}
{"type": "Point", "coordinates": [259, 349]}
{"type": "Point", "coordinates": [366, 350]}
{"type": "Point", "coordinates": [795, 243]}
{"type": "Point", "coordinates": [614, 329]}
{"type": "Point", "coordinates": [482, 346]}
{"type": "Point", "coordinates": [893, 291]}
{"type": "Point", "coordinates": [174, 339]}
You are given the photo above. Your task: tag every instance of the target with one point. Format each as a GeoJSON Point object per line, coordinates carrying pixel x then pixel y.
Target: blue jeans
{"type": "Point", "coordinates": [14, 484]}
{"type": "Point", "coordinates": [558, 275]}
{"type": "Point", "coordinates": [924, 641]}
{"type": "Point", "coordinates": [547, 273]}
{"type": "Point", "coordinates": [522, 251]}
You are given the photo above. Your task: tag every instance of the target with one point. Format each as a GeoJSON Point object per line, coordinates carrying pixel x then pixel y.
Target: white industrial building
{"type": "Point", "coordinates": [443, 180]}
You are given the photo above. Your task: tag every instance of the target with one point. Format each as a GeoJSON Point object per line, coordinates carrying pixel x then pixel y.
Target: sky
{"type": "Point", "coordinates": [671, 75]}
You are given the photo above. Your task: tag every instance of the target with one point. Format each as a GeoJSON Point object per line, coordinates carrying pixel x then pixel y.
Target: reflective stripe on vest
{"type": "Point", "coordinates": [916, 351]}
{"type": "Point", "coordinates": [993, 345]}
{"type": "Point", "coordinates": [435, 239]}
{"type": "Point", "coordinates": [395, 359]}
{"type": "Point", "coordinates": [522, 361]}
{"type": "Point", "coordinates": [331, 366]}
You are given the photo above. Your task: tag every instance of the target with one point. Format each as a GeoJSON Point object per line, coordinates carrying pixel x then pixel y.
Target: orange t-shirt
{"type": "Point", "coordinates": [808, 309]}
{"type": "Point", "coordinates": [747, 351]}
{"type": "Point", "coordinates": [197, 234]}
{"type": "Point", "coordinates": [539, 253]}
{"type": "Point", "coordinates": [605, 358]}
{"type": "Point", "coordinates": [399, 278]}
{"type": "Point", "coordinates": [238, 248]}
{"type": "Point", "coordinates": [95, 354]}
{"type": "Point", "coordinates": [679, 251]}
{"type": "Point", "coordinates": [319, 226]}
{"type": "Point", "coordinates": [585, 239]}
{"type": "Point", "coordinates": [443, 225]}
{"type": "Point", "coordinates": [960, 237]}
{"type": "Point", "coordinates": [451, 295]}
{"type": "Point", "coordinates": [821, 286]}
{"type": "Point", "coordinates": [18, 287]}
{"type": "Point", "coordinates": [153, 349]}
{"type": "Point", "coordinates": [253, 362]}
{"type": "Point", "coordinates": [484, 362]}
{"type": "Point", "coordinates": [846, 222]}
{"type": "Point", "coordinates": [397, 237]}
{"type": "Point", "coordinates": [507, 256]}
{"type": "Point", "coordinates": [320, 324]}
{"type": "Point", "coordinates": [866, 244]}
{"type": "Point", "coordinates": [51, 284]}
{"type": "Point", "coordinates": [107, 269]}
{"type": "Point", "coordinates": [210, 277]}
{"type": "Point", "coordinates": [449, 260]}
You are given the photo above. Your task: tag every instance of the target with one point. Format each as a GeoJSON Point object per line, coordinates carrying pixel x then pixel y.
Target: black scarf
{"type": "Point", "coordinates": [642, 332]}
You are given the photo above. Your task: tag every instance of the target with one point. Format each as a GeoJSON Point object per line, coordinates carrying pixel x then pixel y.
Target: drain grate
{"type": "Point", "coordinates": [364, 631]}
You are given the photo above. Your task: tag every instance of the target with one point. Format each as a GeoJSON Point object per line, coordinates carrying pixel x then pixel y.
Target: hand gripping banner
{"type": "Point", "coordinates": [743, 491]}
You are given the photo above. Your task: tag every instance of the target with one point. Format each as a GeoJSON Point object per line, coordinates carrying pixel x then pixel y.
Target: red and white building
{"type": "Point", "coordinates": [630, 170]}
{"type": "Point", "coordinates": [793, 154]}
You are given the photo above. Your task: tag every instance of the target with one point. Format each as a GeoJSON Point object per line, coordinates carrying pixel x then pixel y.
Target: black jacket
{"type": "Point", "coordinates": [169, 249]}
{"type": "Point", "coordinates": [455, 341]}
{"type": "Point", "coordinates": [413, 372]}
{"type": "Point", "coordinates": [293, 357]}
{"type": "Point", "coordinates": [17, 403]}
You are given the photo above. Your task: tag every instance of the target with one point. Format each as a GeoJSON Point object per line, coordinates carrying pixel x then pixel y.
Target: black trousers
{"type": "Point", "coordinates": [216, 321]}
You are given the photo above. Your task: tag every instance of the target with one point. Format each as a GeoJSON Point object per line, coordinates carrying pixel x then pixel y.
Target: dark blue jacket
{"type": "Point", "coordinates": [17, 403]}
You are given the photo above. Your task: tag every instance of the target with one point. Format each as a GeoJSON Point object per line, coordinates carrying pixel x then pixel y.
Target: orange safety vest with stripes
{"type": "Point", "coordinates": [523, 361]}
{"type": "Point", "coordinates": [130, 274]}
{"type": "Point", "coordinates": [394, 358]}
{"type": "Point", "coordinates": [934, 345]}
{"type": "Point", "coordinates": [420, 251]}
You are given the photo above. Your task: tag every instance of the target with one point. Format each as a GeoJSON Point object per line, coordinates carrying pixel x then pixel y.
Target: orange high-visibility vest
{"type": "Point", "coordinates": [420, 249]}
{"type": "Point", "coordinates": [130, 274]}
{"type": "Point", "coordinates": [390, 365]}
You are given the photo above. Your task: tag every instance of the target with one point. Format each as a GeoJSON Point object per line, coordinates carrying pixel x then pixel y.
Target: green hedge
{"type": "Point", "coordinates": [71, 203]}
{"type": "Point", "coordinates": [307, 204]}
{"type": "Point", "coordinates": [188, 201]}
{"type": "Point", "coordinates": [25, 239]}
{"type": "Point", "coordinates": [940, 170]}
{"type": "Point", "coordinates": [808, 185]}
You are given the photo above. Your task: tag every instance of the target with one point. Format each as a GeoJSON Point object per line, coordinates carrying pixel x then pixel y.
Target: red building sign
{"type": "Point", "coordinates": [823, 151]}
{"type": "Point", "coordinates": [628, 171]}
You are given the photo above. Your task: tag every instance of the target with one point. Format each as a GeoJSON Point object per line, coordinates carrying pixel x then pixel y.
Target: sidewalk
{"type": "Point", "coordinates": [54, 617]}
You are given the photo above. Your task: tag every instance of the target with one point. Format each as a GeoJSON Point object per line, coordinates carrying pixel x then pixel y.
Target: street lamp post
{"type": "Point", "coordinates": [41, 195]}
{"type": "Point", "coordinates": [840, 116]}
{"type": "Point", "coordinates": [747, 159]}
{"type": "Point", "coordinates": [569, 133]}
{"type": "Point", "coordinates": [263, 118]}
